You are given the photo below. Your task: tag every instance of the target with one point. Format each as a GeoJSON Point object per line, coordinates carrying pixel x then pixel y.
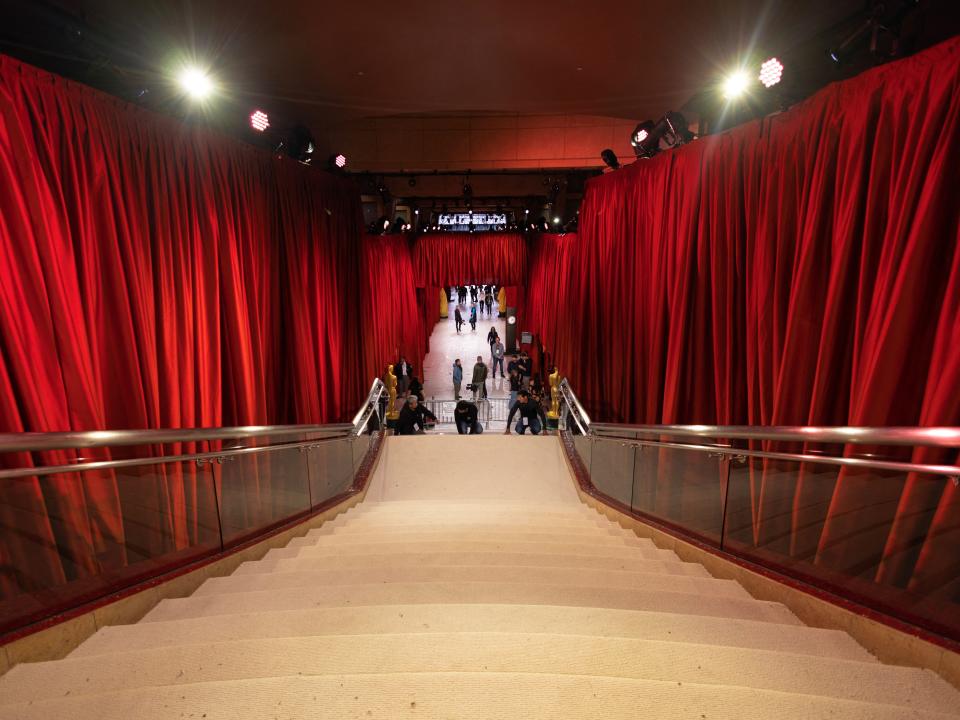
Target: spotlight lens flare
{"type": "Point", "coordinates": [340, 161]}
{"type": "Point", "coordinates": [259, 120]}
{"type": "Point", "coordinates": [771, 72]}
{"type": "Point", "coordinates": [195, 82]}
{"type": "Point", "coordinates": [735, 85]}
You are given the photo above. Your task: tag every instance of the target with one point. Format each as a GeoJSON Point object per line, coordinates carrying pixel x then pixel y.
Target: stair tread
{"type": "Point", "coordinates": [428, 559]}
{"type": "Point", "coordinates": [555, 619]}
{"type": "Point", "coordinates": [483, 652]}
{"type": "Point", "coordinates": [490, 696]}
{"type": "Point", "coordinates": [466, 592]}
{"type": "Point", "coordinates": [480, 573]}
{"type": "Point", "coordinates": [475, 545]}
{"type": "Point", "coordinates": [503, 537]}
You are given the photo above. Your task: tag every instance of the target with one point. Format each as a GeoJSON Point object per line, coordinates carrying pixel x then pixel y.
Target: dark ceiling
{"type": "Point", "coordinates": [324, 63]}
{"type": "Point", "coordinates": [330, 61]}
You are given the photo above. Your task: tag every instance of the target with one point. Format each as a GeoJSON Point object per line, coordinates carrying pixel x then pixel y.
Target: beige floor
{"type": "Point", "coordinates": [446, 345]}
{"type": "Point", "coordinates": [471, 583]}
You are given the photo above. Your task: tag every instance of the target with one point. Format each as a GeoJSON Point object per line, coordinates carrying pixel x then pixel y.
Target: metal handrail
{"type": "Point", "coordinates": [378, 389]}
{"type": "Point", "coordinates": [948, 437]}
{"type": "Point", "coordinates": [937, 437]}
{"type": "Point", "coordinates": [35, 442]}
{"type": "Point", "coordinates": [572, 403]}
{"type": "Point", "coordinates": [951, 471]}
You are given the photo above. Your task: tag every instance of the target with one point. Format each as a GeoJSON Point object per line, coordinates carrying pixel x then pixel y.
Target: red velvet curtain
{"type": "Point", "coordinates": [154, 276]}
{"type": "Point", "coordinates": [392, 316]}
{"type": "Point", "coordinates": [460, 258]}
{"type": "Point", "coordinates": [801, 269]}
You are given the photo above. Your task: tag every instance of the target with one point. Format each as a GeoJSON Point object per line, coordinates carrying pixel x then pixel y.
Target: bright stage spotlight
{"type": "Point", "coordinates": [195, 82]}
{"type": "Point", "coordinates": [259, 120]}
{"type": "Point", "coordinates": [771, 72]}
{"type": "Point", "coordinates": [340, 161]}
{"type": "Point", "coordinates": [735, 85]}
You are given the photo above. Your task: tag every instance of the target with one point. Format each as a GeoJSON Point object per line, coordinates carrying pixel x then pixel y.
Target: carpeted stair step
{"type": "Point", "coordinates": [467, 592]}
{"type": "Point", "coordinates": [544, 654]}
{"type": "Point", "coordinates": [466, 696]}
{"type": "Point", "coordinates": [336, 562]}
{"type": "Point", "coordinates": [477, 574]}
{"type": "Point", "coordinates": [456, 535]}
{"type": "Point", "coordinates": [387, 619]}
{"type": "Point", "coordinates": [624, 552]}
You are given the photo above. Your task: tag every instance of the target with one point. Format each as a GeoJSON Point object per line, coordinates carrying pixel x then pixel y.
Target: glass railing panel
{"type": "Point", "coordinates": [360, 445]}
{"type": "Point", "coordinates": [882, 538]}
{"type": "Point", "coordinates": [682, 487]}
{"type": "Point", "coordinates": [584, 448]}
{"type": "Point", "coordinates": [331, 469]}
{"type": "Point", "coordinates": [611, 469]}
{"type": "Point", "coordinates": [258, 490]}
{"type": "Point", "coordinates": [70, 538]}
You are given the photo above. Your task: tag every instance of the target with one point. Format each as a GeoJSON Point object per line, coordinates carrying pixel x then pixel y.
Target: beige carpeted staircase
{"type": "Point", "coordinates": [471, 583]}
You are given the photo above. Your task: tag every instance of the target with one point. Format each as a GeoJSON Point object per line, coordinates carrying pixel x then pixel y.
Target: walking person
{"type": "Point", "coordinates": [496, 351]}
{"type": "Point", "coordinates": [479, 379]}
{"type": "Point", "coordinates": [458, 318]}
{"type": "Point", "coordinates": [473, 318]}
{"type": "Point", "coordinates": [492, 337]}
{"type": "Point", "coordinates": [488, 299]}
{"type": "Point", "coordinates": [473, 294]}
{"type": "Point", "coordinates": [457, 378]}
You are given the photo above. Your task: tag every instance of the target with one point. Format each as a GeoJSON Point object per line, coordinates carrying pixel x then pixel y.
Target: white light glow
{"type": "Point", "coordinates": [556, 221]}
{"type": "Point", "coordinates": [195, 82]}
{"type": "Point", "coordinates": [341, 161]}
{"type": "Point", "coordinates": [735, 85]}
{"type": "Point", "coordinates": [640, 137]}
{"type": "Point", "coordinates": [259, 121]}
{"type": "Point", "coordinates": [771, 72]}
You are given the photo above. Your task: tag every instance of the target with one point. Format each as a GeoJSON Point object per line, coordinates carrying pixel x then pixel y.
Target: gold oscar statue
{"type": "Point", "coordinates": [391, 379]}
{"type": "Point", "coordinates": [554, 413]}
{"type": "Point", "coordinates": [443, 302]}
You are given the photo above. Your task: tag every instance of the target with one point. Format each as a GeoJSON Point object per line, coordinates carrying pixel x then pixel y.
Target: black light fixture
{"type": "Point", "coordinates": [880, 31]}
{"type": "Point", "coordinates": [670, 131]}
{"type": "Point", "coordinates": [298, 144]}
{"type": "Point", "coordinates": [412, 182]}
{"type": "Point", "coordinates": [610, 159]}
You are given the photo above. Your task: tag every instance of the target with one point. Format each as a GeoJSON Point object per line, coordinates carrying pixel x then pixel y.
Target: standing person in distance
{"type": "Point", "coordinates": [531, 415]}
{"type": "Point", "coordinates": [458, 319]}
{"type": "Point", "coordinates": [488, 299]}
{"type": "Point", "coordinates": [457, 378]}
{"type": "Point", "coordinates": [465, 416]}
{"type": "Point", "coordinates": [526, 369]}
{"type": "Point", "coordinates": [403, 370]}
{"type": "Point", "coordinates": [473, 318]}
{"type": "Point", "coordinates": [515, 385]}
{"type": "Point", "coordinates": [496, 351]}
{"type": "Point", "coordinates": [479, 379]}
